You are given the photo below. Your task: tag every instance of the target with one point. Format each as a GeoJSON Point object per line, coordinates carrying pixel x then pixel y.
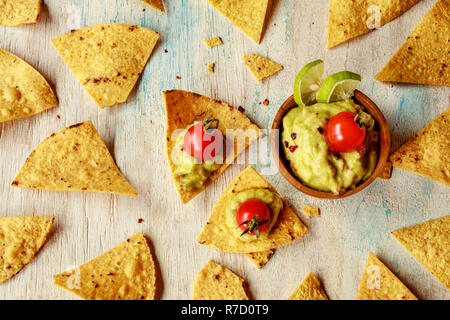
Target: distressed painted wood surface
{"type": "Point", "coordinates": [88, 224]}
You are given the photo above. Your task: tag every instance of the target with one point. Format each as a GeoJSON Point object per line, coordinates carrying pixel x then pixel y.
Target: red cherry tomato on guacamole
{"type": "Point", "coordinates": [252, 215]}
{"type": "Point", "coordinates": [202, 145]}
{"type": "Point", "coordinates": [343, 134]}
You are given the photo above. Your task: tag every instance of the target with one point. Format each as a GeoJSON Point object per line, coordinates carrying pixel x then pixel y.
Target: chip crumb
{"type": "Point", "coordinates": [210, 67]}
{"type": "Point", "coordinates": [261, 67]}
{"type": "Point", "coordinates": [213, 42]}
{"type": "Point", "coordinates": [311, 211]}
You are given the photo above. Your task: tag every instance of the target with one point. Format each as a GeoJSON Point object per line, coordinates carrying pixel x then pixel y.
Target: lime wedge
{"type": "Point", "coordinates": [308, 82]}
{"type": "Point", "coordinates": [338, 86]}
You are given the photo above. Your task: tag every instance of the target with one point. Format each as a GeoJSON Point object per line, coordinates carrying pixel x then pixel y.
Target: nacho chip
{"type": "Point", "coordinates": [429, 243]}
{"type": "Point", "coordinates": [310, 289]}
{"type": "Point", "coordinates": [250, 16]}
{"type": "Point", "coordinates": [215, 282]}
{"type": "Point", "coordinates": [157, 4]}
{"type": "Point", "coordinates": [211, 43]}
{"type": "Point", "coordinates": [23, 90]}
{"type": "Point", "coordinates": [73, 159]}
{"type": "Point", "coordinates": [216, 235]}
{"type": "Point", "coordinates": [126, 272]}
{"type": "Point", "coordinates": [387, 171]}
{"type": "Point", "coordinates": [424, 57]}
{"type": "Point", "coordinates": [20, 240]}
{"type": "Point", "coordinates": [379, 283]}
{"type": "Point", "coordinates": [311, 211]}
{"type": "Point", "coordinates": [260, 258]}
{"type": "Point", "coordinates": [210, 68]}
{"type": "Point", "coordinates": [428, 152]}
{"type": "Point", "coordinates": [107, 59]}
{"type": "Point", "coordinates": [261, 67]}
{"type": "Point", "coordinates": [17, 12]}
{"type": "Point", "coordinates": [350, 19]}
{"type": "Point", "coordinates": [183, 108]}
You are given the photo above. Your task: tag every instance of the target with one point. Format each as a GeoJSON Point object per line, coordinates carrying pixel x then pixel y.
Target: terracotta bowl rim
{"type": "Point", "coordinates": [277, 152]}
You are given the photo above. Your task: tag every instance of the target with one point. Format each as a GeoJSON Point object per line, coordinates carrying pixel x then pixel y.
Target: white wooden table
{"type": "Point", "coordinates": [88, 224]}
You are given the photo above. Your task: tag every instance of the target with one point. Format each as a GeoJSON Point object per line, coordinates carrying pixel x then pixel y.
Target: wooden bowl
{"type": "Point", "coordinates": [278, 153]}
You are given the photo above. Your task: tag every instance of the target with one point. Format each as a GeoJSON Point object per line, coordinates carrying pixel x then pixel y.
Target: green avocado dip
{"type": "Point", "coordinates": [310, 157]}
{"type": "Point", "coordinates": [272, 199]}
{"type": "Point", "coordinates": [192, 174]}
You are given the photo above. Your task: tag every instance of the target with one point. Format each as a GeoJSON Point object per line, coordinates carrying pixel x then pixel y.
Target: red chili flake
{"type": "Point", "coordinates": [165, 51]}
{"type": "Point", "coordinates": [241, 109]}
{"type": "Point", "coordinates": [321, 130]}
{"type": "Point", "coordinates": [151, 121]}
{"type": "Point", "coordinates": [140, 220]}
{"type": "Point", "coordinates": [286, 144]}
{"type": "Point", "coordinates": [178, 77]}
{"type": "Point", "coordinates": [143, 10]}
{"type": "Point", "coordinates": [293, 148]}
{"type": "Point", "coordinates": [266, 102]}
{"type": "Point", "coordinates": [58, 117]}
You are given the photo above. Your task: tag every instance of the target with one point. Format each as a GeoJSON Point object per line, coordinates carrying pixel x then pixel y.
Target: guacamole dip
{"type": "Point", "coordinates": [309, 156]}
{"type": "Point", "coordinates": [272, 199]}
{"type": "Point", "coordinates": [191, 173]}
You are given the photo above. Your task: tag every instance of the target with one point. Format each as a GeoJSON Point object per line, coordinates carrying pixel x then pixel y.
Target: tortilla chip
{"type": "Point", "coordinates": [210, 68]}
{"type": "Point", "coordinates": [183, 108]}
{"type": "Point", "coordinates": [126, 272]}
{"type": "Point", "coordinates": [429, 243]}
{"type": "Point", "coordinates": [250, 16]}
{"type": "Point", "coordinates": [16, 12]}
{"type": "Point", "coordinates": [311, 211]}
{"type": "Point", "coordinates": [20, 240]}
{"type": "Point", "coordinates": [350, 19]}
{"type": "Point", "coordinates": [310, 289]}
{"type": "Point", "coordinates": [424, 57]}
{"type": "Point", "coordinates": [107, 59]}
{"type": "Point", "coordinates": [157, 4]}
{"type": "Point", "coordinates": [428, 153]}
{"type": "Point", "coordinates": [211, 43]}
{"type": "Point", "coordinates": [23, 90]}
{"type": "Point", "coordinates": [73, 159]}
{"type": "Point", "coordinates": [260, 258]}
{"type": "Point", "coordinates": [379, 283]}
{"type": "Point", "coordinates": [216, 235]}
{"type": "Point", "coordinates": [261, 67]}
{"type": "Point", "coordinates": [215, 282]}
{"type": "Point", "coordinates": [387, 171]}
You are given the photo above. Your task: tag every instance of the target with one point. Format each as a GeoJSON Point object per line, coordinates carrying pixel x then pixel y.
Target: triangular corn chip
{"type": "Point", "coordinates": [215, 234]}
{"type": "Point", "coordinates": [424, 57]}
{"type": "Point", "coordinates": [73, 159]}
{"type": "Point", "coordinates": [309, 289]}
{"type": "Point", "coordinates": [350, 19]}
{"type": "Point", "coordinates": [260, 258]}
{"type": "Point", "coordinates": [23, 90]}
{"type": "Point", "coordinates": [157, 4]}
{"type": "Point", "coordinates": [16, 12]}
{"type": "Point", "coordinates": [428, 152]}
{"type": "Point", "coordinates": [261, 67]}
{"type": "Point", "coordinates": [126, 272]}
{"type": "Point", "coordinates": [215, 282]}
{"type": "Point", "coordinates": [107, 59]}
{"type": "Point", "coordinates": [250, 15]}
{"type": "Point", "coordinates": [379, 283]}
{"type": "Point", "coordinates": [20, 239]}
{"type": "Point", "coordinates": [429, 243]}
{"type": "Point", "coordinates": [183, 108]}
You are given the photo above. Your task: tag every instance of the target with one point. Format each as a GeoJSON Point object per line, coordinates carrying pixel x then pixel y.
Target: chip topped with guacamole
{"type": "Point", "coordinates": [329, 141]}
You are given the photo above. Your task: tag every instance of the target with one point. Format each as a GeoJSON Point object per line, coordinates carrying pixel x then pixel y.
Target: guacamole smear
{"type": "Point", "coordinates": [272, 199]}
{"type": "Point", "coordinates": [310, 157]}
{"type": "Point", "coordinates": [191, 173]}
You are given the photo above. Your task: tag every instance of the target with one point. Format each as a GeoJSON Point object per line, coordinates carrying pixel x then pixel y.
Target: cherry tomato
{"type": "Point", "coordinates": [343, 133]}
{"type": "Point", "coordinates": [202, 144]}
{"type": "Point", "coordinates": [253, 216]}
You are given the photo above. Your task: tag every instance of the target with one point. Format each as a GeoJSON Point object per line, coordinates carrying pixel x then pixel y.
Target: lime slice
{"type": "Point", "coordinates": [338, 86]}
{"type": "Point", "coordinates": [308, 82]}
